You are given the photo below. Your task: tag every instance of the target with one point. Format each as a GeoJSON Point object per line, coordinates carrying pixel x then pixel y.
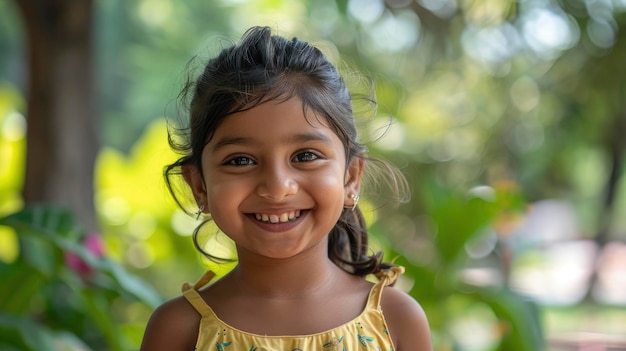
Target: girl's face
{"type": "Point", "coordinates": [274, 180]}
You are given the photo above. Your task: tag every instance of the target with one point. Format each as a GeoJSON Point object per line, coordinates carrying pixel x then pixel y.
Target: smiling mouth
{"type": "Point", "coordinates": [277, 218]}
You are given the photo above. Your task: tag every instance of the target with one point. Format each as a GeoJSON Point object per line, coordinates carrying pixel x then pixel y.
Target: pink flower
{"type": "Point", "coordinates": [94, 245]}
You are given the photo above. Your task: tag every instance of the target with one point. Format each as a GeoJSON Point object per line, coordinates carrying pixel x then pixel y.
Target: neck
{"type": "Point", "coordinates": [293, 277]}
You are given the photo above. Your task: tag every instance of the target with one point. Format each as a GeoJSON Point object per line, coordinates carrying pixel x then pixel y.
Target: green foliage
{"type": "Point", "coordinates": [521, 326]}
{"type": "Point", "coordinates": [511, 322]}
{"type": "Point", "coordinates": [48, 302]}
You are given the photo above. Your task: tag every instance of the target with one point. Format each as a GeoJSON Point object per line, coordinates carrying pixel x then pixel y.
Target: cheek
{"type": "Point", "coordinates": [224, 201]}
{"type": "Point", "coordinates": [330, 187]}
{"type": "Point", "coordinates": [332, 182]}
{"type": "Point", "coordinates": [223, 195]}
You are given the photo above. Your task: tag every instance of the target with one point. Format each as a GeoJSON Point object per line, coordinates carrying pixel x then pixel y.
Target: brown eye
{"type": "Point", "coordinates": [239, 161]}
{"type": "Point", "coordinates": [306, 156]}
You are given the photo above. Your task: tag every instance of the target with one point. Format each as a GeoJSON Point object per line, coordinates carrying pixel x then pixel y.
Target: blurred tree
{"type": "Point", "coordinates": [508, 90]}
{"type": "Point", "coordinates": [61, 140]}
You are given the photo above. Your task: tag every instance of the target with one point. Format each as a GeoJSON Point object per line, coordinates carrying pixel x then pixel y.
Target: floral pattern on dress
{"type": "Point", "coordinates": [333, 344]}
{"type": "Point", "coordinates": [221, 345]}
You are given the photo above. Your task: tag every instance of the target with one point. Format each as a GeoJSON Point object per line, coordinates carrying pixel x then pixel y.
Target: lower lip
{"type": "Point", "coordinates": [281, 226]}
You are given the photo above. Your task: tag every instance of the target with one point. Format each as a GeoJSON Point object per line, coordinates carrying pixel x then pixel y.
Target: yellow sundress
{"type": "Point", "coordinates": [368, 331]}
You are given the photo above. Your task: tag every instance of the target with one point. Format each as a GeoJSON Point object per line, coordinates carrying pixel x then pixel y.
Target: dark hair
{"type": "Point", "coordinates": [264, 67]}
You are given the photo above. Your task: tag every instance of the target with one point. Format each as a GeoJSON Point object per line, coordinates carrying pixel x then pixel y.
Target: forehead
{"type": "Point", "coordinates": [273, 119]}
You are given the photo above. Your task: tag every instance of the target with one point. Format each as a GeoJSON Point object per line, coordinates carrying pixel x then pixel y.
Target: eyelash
{"type": "Point", "coordinates": [312, 156]}
{"type": "Point", "coordinates": [236, 161]}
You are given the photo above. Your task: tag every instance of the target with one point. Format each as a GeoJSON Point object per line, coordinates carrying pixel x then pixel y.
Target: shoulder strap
{"type": "Point", "coordinates": [386, 277]}
{"type": "Point", "coordinates": [191, 294]}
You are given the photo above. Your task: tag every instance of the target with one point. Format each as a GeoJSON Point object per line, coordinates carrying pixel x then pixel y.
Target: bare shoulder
{"type": "Point", "coordinates": [173, 326]}
{"type": "Point", "coordinates": [406, 320]}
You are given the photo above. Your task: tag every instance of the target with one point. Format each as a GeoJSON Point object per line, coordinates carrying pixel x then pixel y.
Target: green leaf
{"type": "Point", "coordinates": [524, 330]}
{"type": "Point", "coordinates": [40, 228]}
{"type": "Point", "coordinates": [23, 334]}
{"type": "Point", "coordinates": [20, 284]}
{"type": "Point", "coordinates": [45, 219]}
{"type": "Point", "coordinates": [458, 218]}
{"type": "Point", "coordinates": [128, 283]}
{"type": "Point", "coordinates": [98, 309]}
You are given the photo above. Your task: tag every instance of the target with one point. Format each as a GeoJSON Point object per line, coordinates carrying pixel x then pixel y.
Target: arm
{"type": "Point", "coordinates": [406, 320]}
{"type": "Point", "coordinates": [172, 327]}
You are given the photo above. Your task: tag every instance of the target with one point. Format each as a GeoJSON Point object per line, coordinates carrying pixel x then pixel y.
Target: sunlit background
{"type": "Point", "coordinates": [508, 119]}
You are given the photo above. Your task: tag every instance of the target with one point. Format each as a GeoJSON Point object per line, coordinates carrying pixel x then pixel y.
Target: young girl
{"type": "Point", "coordinates": [272, 157]}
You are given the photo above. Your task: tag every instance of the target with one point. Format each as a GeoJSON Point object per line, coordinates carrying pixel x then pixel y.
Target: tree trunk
{"type": "Point", "coordinates": [61, 114]}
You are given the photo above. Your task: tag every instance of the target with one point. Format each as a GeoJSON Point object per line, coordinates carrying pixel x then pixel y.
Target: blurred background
{"type": "Point", "coordinates": [509, 120]}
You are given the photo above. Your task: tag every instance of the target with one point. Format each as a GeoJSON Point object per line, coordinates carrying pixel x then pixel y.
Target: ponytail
{"type": "Point", "coordinates": [348, 245]}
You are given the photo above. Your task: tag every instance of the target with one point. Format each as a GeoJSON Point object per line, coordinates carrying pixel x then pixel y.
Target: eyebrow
{"type": "Point", "coordinates": [298, 138]}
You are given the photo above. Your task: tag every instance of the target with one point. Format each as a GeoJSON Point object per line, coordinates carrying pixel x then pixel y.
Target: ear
{"type": "Point", "coordinates": [194, 179]}
{"type": "Point", "coordinates": [353, 179]}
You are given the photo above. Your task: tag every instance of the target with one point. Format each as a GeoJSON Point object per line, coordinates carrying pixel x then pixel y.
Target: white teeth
{"type": "Point", "coordinates": [281, 218]}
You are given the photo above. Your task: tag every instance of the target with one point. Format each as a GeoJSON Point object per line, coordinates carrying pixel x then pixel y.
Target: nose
{"type": "Point", "coordinates": [276, 182]}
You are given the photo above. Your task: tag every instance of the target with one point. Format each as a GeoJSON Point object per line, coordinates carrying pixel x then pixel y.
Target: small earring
{"type": "Point", "coordinates": [354, 197]}
{"type": "Point", "coordinates": [199, 212]}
